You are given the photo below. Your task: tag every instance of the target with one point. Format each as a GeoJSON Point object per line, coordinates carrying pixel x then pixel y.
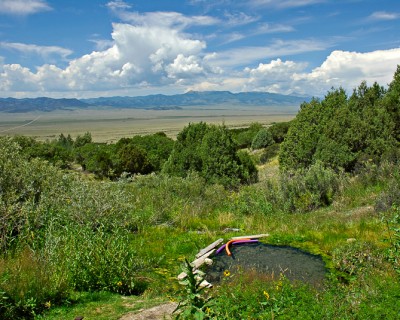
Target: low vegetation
{"type": "Point", "coordinates": [84, 224]}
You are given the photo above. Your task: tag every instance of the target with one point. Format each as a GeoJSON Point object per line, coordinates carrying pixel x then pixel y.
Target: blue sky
{"type": "Point", "coordinates": [91, 48]}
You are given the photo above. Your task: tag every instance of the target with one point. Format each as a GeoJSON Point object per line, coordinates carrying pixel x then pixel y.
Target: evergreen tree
{"type": "Point", "coordinates": [211, 151]}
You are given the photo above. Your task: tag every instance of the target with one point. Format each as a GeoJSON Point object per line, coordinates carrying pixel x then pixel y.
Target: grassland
{"type": "Point", "coordinates": [350, 235]}
{"type": "Point", "coordinates": [112, 124]}
{"type": "Point", "coordinates": [133, 235]}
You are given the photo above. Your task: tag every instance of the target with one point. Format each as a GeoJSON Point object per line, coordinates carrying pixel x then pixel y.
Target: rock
{"type": "Point", "coordinates": [231, 230]}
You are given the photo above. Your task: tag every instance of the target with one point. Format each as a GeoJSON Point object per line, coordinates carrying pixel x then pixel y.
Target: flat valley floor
{"type": "Point", "coordinates": [110, 125]}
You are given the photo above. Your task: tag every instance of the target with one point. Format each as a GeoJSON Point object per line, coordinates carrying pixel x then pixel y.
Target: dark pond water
{"type": "Point", "coordinates": [267, 259]}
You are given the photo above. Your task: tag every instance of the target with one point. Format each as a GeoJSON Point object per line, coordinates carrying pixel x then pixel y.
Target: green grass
{"type": "Point", "coordinates": [85, 233]}
{"type": "Point", "coordinates": [99, 306]}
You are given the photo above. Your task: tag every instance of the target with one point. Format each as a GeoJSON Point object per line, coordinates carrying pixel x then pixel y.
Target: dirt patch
{"type": "Point", "coordinates": [160, 312]}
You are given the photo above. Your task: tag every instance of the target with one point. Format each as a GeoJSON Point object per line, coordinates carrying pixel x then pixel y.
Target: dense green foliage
{"type": "Point", "coordinates": [279, 131]}
{"type": "Point", "coordinates": [62, 232]}
{"type": "Point", "coordinates": [262, 139]}
{"type": "Point", "coordinates": [137, 155]}
{"type": "Point", "coordinates": [244, 136]}
{"type": "Point", "coordinates": [210, 151]}
{"type": "Point", "coordinates": [344, 132]}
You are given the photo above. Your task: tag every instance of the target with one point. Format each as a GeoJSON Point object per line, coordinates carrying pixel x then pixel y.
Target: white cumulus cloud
{"type": "Point", "coordinates": [383, 15]}
{"type": "Point", "coordinates": [43, 51]}
{"type": "Point", "coordinates": [348, 69]}
{"type": "Point", "coordinates": [340, 69]}
{"type": "Point", "coordinates": [137, 55]}
{"type": "Point", "coordinates": [23, 7]}
{"type": "Point", "coordinates": [281, 4]}
{"type": "Point", "coordinates": [274, 76]}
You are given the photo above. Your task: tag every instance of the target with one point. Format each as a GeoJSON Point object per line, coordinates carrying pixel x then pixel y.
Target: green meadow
{"type": "Point", "coordinates": [101, 230]}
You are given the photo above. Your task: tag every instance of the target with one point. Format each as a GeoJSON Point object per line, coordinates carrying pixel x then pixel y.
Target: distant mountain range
{"type": "Point", "coordinates": [13, 105]}
{"type": "Point", "coordinates": [154, 102]}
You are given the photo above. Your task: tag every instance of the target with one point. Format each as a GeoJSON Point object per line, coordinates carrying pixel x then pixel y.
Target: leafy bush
{"type": "Point", "coordinates": [279, 131]}
{"type": "Point", "coordinates": [96, 158]}
{"type": "Point", "coordinates": [81, 140]}
{"type": "Point", "coordinates": [210, 151]}
{"type": "Point", "coordinates": [341, 131]}
{"type": "Point", "coordinates": [353, 257]}
{"type": "Point", "coordinates": [244, 136]}
{"type": "Point", "coordinates": [157, 146]}
{"type": "Point", "coordinates": [269, 153]}
{"type": "Point", "coordinates": [98, 260]}
{"type": "Point", "coordinates": [393, 225]}
{"type": "Point", "coordinates": [131, 159]}
{"type": "Point", "coordinates": [308, 189]}
{"type": "Point", "coordinates": [29, 285]}
{"type": "Point", "coordinates": [262, 139]}
{"type": "Point", "coordinates": [23, 186]}
{"type": "Point", "coordinates": [387, 174]}
{"type": "Point", "coordinates": [249, 201]}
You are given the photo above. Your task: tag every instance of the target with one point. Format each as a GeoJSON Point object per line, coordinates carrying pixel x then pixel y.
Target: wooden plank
{"type": "Point", "coordinates": [208, 248]}
{"type": "Point", "coordinates": [205, 284]}
{"type": "Point", "coordinates": [183, 275]}
{"type": "Point", "coordinates": [198, 262]}
{"type": "Point", "coordinates": [256, 236]}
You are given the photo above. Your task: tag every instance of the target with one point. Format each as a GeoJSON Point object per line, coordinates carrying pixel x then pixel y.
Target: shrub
{"type": "Point", "coordinates": [341, 131]}
{"type": "Point", "coordinates": [98, 260]}
{"type": "Point", "coordinates": [24, 184]}
{"type": "Point", "coordinates": [132, 159]}
{"type": "Point", "coordinates": [308, 189]}
{"type": "Point", "coordinates": [210, 151]}
{"type": "Point", "coordinates": [249, 201]}
{"type": "Point", "coordinates": [269, 153]}
{"type": "Point", "coordinates": [157, 146]}
{"type": "Point", "coordinates": [354, 257]}
{"type": "Point", "coordinates": [29, 285]}
{"type": "Point", "coordinates": [262, 139]}
{"type": "Point", "coordinates": [389, 174]}
{"type": "Point", "coordinates": [393, 226]}
{"type": "Point", "coordinates": [244, 136]}
{"type": "Point", "coordinates": [279, 131]}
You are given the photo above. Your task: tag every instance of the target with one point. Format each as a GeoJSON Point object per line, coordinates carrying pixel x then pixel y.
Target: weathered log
{"type": "Point", "coordinates": [209, 248]}
{"type": "Point", "coordinates": [198, 262]}
{"type": "Point", "coordinates": [256, 236]}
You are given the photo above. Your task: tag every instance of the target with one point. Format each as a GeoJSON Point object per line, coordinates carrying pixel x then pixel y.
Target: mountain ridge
{"type": "Point", "coordinates": [154, 101]}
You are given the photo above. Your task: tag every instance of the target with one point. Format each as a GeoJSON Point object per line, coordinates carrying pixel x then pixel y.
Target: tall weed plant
{"type": "Point", "coordinates": [23, 184]}
{"type": "Point", "coordinates": [99, 260]}
{"type": "Point", "coordinates": [28, 285]}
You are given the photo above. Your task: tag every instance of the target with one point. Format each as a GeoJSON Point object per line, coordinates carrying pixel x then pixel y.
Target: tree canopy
{"type": "Point", "coordinates": [210, 151]}
{"type": "Point", "coordinates": [343, 132]}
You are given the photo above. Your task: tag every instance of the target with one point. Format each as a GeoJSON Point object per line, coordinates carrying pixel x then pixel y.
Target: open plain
{"type": "Point", "coordinates": [109, 125]}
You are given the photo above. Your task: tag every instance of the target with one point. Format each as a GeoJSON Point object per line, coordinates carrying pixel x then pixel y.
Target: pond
{"type": "Point", "coordinates": [295, 264]}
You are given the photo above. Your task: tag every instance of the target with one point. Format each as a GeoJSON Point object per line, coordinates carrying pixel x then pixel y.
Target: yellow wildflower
{"type": "Point", "coordinates": [119, 283]}
{"type": "Point", "coordinates": [227, 273]}
{"type": "Point", "coordinates": [47, 304]}
{"type": "Point", "coordinates": [266, 294]}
